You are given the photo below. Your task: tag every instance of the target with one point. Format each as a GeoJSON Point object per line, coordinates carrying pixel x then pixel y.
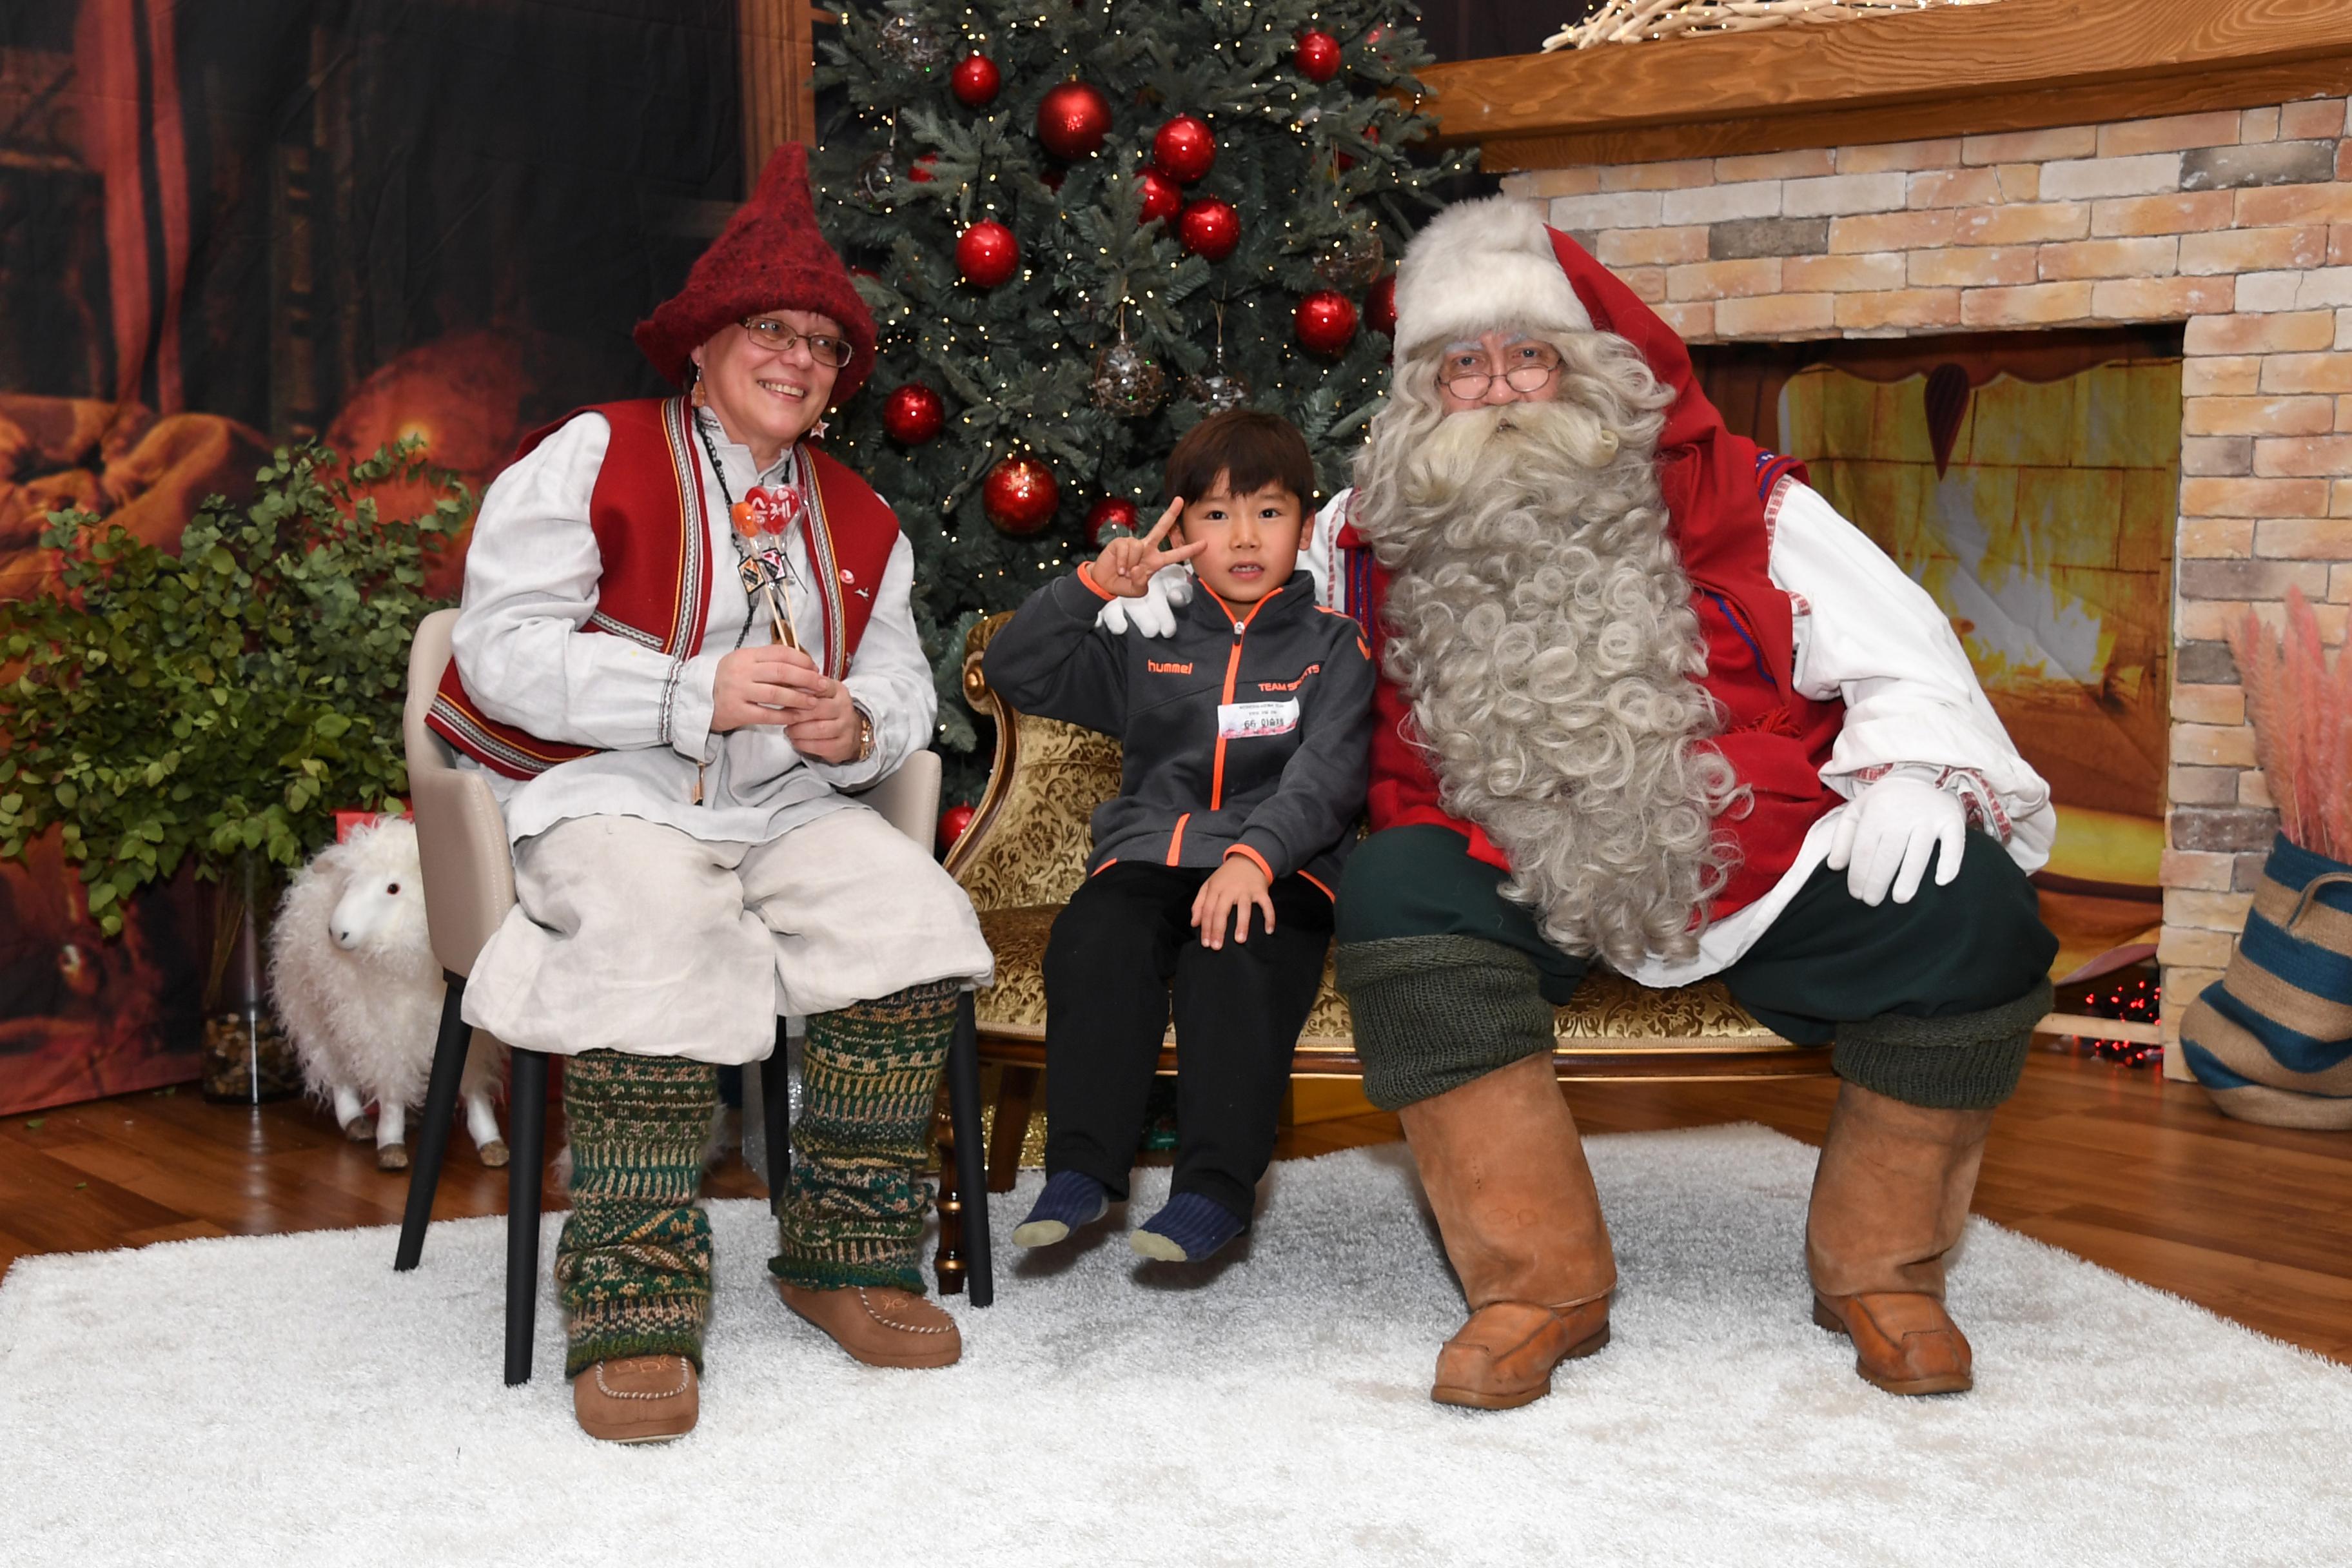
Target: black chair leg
{"type": "Point", "coordinates": [776, 1114]}
{"type": "Point", "coordinates": [970, 1151]}
{"type": "Point", "coordinates": [527, 1110]}
{"type": "Point", "coordinates": [432, 1129]}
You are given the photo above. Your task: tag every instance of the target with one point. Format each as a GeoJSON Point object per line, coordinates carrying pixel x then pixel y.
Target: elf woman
{"type": "Point", "coordinates": [686, 632]}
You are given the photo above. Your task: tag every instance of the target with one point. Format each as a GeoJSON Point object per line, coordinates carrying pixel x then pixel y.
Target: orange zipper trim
{"type": "Point", "coordinates": [1176, 839]}
{"type": "Point", "coordinates": [1233, 668]}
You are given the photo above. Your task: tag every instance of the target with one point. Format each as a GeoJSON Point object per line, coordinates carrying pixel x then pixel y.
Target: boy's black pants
{"type": "Point", "coordinates": [1121, 951]}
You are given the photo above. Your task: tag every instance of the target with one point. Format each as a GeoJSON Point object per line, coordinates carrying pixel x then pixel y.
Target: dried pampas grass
{"type": "Point", "coordinates": [1640, 21]}
{"type": "Point", "coordinates": [2302, 714]}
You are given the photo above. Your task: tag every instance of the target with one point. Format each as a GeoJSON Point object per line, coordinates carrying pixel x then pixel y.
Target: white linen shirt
{"type": "Point", "coordinates": [1871, 636]}
{"type": "Point", "coordinates": [531, 576]}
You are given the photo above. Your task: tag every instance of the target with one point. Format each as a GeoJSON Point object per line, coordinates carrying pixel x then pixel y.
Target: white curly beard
{"type": "Point", "coordinates": [1539, 622]}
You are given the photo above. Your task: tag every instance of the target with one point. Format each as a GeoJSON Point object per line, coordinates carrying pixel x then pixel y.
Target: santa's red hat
{"type": "Point", "coordinates": [770, 257]}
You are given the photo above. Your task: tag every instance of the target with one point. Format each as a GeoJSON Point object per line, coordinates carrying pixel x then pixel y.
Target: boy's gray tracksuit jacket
{"type": "Point", "coordinates": [1250, 727]}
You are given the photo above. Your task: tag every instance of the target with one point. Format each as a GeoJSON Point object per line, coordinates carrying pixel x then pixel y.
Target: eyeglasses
{"type": "Point", "coordinates": [1527, 368]}
{"type": "Point", "coordinates": [823, 347]}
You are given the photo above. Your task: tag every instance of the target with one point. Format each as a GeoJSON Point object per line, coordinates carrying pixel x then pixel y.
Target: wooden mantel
{"type": "Point", "coordinates": [2019, 65]}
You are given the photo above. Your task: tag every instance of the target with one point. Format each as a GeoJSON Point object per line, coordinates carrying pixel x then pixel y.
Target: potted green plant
{"type": "Point", "coordinates": [215, 705]}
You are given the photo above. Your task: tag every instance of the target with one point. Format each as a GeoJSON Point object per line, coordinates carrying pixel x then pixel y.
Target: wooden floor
{"type": "Point", "coordinates": [2112, 1165]}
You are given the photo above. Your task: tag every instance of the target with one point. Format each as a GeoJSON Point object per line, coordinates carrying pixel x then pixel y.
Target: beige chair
{"type": "Point", "coordinates": [469, 872]}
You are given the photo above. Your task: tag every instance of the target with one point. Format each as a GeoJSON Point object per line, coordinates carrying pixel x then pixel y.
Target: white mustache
{"type": "Point", "coordinates": [1465, 445]}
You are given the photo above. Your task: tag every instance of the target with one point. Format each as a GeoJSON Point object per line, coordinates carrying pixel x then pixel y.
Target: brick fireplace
{"type": "Point", "coordinates": [2234, 222]}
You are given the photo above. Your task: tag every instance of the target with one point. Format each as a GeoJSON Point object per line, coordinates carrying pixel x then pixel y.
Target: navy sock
{"type": "Point", "coordinates": [1071, 1198]}
{"type": "Point", "coordinates": [1189, 1229]}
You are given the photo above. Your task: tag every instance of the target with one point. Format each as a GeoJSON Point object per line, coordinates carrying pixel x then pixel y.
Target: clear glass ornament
{"type": "Point", "coordinates": [1353, 264]}
{"type": "Point", "coordinates": [912, 42]}
{"type": "Point", "coordinates": [1126, 380]}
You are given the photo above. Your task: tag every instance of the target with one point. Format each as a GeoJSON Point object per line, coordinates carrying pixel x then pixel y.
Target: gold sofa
{"type": "Point", "coordinates": [1025, 850]}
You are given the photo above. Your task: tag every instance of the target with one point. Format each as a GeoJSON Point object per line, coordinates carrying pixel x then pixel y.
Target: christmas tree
{"type": "Point", "coordinates": [1082, 227]}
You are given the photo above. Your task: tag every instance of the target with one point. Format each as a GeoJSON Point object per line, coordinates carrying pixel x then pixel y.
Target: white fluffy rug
{"type": "Point", "coordinates": [290, 1400]}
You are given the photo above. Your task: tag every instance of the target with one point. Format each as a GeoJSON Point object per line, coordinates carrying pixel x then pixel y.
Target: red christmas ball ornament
{"type": "Point", "coordinates": [1160, 198]}
{"type": "Point", "coordinates": [988, 254]}
{"type": "Point", "coordinates": [952, 821]}
{"type": "Point", "coordinates": [1185, 149]}
{"type": "Point", "coordinates": [924, 170]}
{"type": "Point", "coordinates": [1111, 512]}
{"type": "Point", "coordinates": [974, 82]}
{"type": "Point", "coordinates": [1326, 323]}
{"type": "Point", "coordinates": [1317, 56]}
{"type": "Point", "coordinates": [914, 414]}
{"type": "Point", "coordinates": [1379, 307]}
{"type": "Point", "coordinates": [1019, 496]}
{"type": "Point", "coordinates": [1210, 229]}
{"type": "Point", "coordinates": [1072, 118]}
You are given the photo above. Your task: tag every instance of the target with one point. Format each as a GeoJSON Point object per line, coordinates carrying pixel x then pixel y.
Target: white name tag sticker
{"type": "Point", "coordinates": [1239, 721]}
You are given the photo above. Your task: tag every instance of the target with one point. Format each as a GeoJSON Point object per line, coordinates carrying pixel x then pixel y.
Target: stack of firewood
{"type": "Point", "coordinates": [1638, 21]}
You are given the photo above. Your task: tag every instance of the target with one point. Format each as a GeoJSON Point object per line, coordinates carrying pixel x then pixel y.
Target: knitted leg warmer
{"type": "Point", "coordinates": [1432, 1012]}
{"type": "Point", "coordinates": [632, 1269]}
{"type": "Point", "coordinates": [854, 1215]}
{"type": "Point", "coordinates": [1961, 1061]}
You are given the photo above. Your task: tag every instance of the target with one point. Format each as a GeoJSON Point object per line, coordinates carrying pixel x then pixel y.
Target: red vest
{"type": "Point", "coordinates": [653, 536]}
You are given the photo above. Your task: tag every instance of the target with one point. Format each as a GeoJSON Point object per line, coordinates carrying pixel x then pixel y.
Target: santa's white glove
{"type": "Point", "coordinates": [1154, 614]}
{"type": "Point", "coordinates": [1888, 834]}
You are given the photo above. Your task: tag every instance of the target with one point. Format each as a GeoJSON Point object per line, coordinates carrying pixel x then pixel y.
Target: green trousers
{"type": "Point", "coordinates": [1931, 1002]}
{"type": "Point", "coordinates": [632, 1268]}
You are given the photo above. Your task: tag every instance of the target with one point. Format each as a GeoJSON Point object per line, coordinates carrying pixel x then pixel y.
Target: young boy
{"type": "Point", "coordinates": [1245, 736]}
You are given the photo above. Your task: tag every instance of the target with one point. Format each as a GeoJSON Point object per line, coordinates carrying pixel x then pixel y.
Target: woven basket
{"type": "Point", "coordinates": [2271, 1039]}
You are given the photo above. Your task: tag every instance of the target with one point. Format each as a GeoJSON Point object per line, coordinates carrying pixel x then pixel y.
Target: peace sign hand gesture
{"type": "Point", "coordinates": [1125, 566]}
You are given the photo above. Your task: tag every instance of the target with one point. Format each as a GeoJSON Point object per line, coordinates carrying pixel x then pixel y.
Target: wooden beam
{"type": "Point", "coordinates": [2019, 65]}
{"type": "Point", "coordinates": [777, 45]}
{"type": "Point", "coordinates": [2139, 99]}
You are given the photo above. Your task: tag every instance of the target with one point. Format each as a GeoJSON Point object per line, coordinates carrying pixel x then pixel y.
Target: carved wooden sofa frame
{"type": "Point", "coordinates": [1024, 852]}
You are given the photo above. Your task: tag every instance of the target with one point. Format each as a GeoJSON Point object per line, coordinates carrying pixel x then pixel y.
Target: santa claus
{"type": "Point", "coordinates": [1648, 700]}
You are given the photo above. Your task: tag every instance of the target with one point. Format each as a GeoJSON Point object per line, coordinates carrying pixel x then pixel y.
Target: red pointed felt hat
{"type": "Point", "coordinates": [770, 257]}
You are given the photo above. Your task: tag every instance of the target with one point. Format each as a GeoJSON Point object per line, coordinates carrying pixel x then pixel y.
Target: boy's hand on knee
{"type": "Point", "coordinates": [1230, 891]}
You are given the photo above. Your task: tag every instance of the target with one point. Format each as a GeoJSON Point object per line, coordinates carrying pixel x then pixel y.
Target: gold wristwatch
{"type": "Point", "coordinates": [865, 736]}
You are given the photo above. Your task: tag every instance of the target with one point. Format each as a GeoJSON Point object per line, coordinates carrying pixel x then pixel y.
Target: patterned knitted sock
{"type": "Point", "coordinates": [854, 1214]}
{"type": "Point", "coordinates": [1189, 1229]}
{"type": "Point", "coordinates": [632, 1268]}
{"type": "Point", "coordinates": [1071, 1198]}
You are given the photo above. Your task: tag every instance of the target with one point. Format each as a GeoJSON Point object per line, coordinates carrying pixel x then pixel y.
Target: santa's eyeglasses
{"type": "Point", "coordinates": [823, 347]}
{"type": "Point", "coordinates": [1527, 367]}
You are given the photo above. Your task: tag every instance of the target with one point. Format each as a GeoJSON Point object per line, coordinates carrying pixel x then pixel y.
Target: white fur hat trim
{"type": "Point", "coordinates": [1480, 265]}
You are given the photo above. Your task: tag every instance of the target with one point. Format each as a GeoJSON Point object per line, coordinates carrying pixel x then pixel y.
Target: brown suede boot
{"type": "Point", "coordinates": [1505, 1171]}
{"type": "Point", "coordinates": [1890, 1197]}
{"type": "Point", "coordinates": [637, 1398]}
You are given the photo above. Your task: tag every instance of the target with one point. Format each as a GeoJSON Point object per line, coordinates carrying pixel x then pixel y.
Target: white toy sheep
{"type": "Point", "coordinates": [360, 993]}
